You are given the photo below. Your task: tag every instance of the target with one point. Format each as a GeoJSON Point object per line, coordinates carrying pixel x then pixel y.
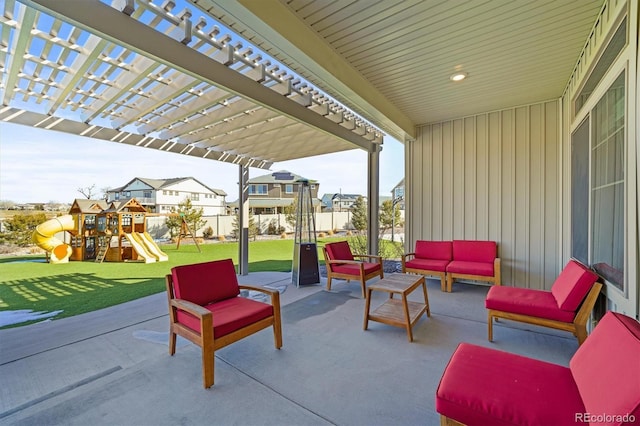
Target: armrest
{"type": "Point", "coordinates": [275, 294]}
{"type": "Point", "coordinates": [190, 307]}
{"type": "Point", "coordinates": [344, 262]}
{"type": "Point", "coordinates": [370, 256]}
{"type": "Point", "coordinates": [407, 256]}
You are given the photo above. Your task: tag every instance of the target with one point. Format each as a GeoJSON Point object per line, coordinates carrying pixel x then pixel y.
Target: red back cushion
{"type": "Point", "coordinates": [606, 369]}
{"type": "Point", "coordinates": [572, 285]}
{"type": "Point", "coordinates": [204, 283]}
{"type": "Point", "coordinates": [438, 250]}
{"type": "Point", "coordinates": [339, 251]}
{"type": "Point", "coordinates": [475, 251]}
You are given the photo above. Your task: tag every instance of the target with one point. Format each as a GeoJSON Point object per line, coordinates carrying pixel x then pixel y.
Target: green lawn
{"type": "Point", "coordinates": [78, 287]}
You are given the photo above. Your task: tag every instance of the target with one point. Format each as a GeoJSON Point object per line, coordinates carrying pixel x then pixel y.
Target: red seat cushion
{"type": "Point", "coordinates": [428, 264]}
{"type": "Point", "coordinates": [229, 315]}
{"type": "Point", "coordinates": [572, 285]}
{"type": "Point", "coordinates": [203, 283]}
{"type": "Point", "coordinates": [471, 268]}
{"type": "Point", "coordinates": [482, 386]}
{"type": "Point", "coordinates": [440, 250]}
{"type": "Point", "coordinates": [339, 251]}
{"type": "Point", "coordinates": [354, 270]}
{"type": "Point", "coordinates": [606, 368]}
{"type": "Point", "coordinates": [526, 301]}
{"type": "Point", "coordinates": [475, 251]}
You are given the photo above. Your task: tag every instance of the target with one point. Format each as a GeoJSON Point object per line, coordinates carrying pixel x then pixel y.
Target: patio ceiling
{"type": "Point", "coordinates": [390, 61]}
{"type": "Point", "coordinates": [141, 73]}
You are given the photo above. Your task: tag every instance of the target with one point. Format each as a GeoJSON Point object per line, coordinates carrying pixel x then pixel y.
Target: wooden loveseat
{"type": "Point", "coordinates": [457, 259]}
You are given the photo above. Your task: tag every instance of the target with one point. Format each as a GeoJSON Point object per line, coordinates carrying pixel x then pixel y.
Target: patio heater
{"type": "Point", "coordinates": [305, 253]}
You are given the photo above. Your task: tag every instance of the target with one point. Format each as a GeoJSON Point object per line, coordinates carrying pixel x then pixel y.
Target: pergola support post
{"type": "Point", "coordinates": [243, 220]}
{"type": "Point", "coordinates": [373, 195]}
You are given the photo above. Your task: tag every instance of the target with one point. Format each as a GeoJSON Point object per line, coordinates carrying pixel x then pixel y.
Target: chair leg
{"type": "Point", "coordinates": [208, 366]}
{"type": "Point", "coordinates": [449, 283]}
{"type": "Point", "coordinates": [277, 330]}
{"type": "Point", "coordinates": [172, 343]}
{"type": "Point", "coordinates": [490, 324]}
{"type": "Point", "coordinates": [443, 283]}
{"type": "Point", "coordinates": [328, 282]}
{"type": "Point", "coordinates": [362, 284]}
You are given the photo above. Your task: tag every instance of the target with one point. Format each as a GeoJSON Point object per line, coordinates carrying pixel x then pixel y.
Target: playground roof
{"type": "Point", "coordinates": [158, 76]}
{"type": "Point", "coordinates": [82, 205]}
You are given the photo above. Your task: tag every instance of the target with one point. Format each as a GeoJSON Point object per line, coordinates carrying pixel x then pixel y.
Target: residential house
{"type": "Point", "coordinates": [272, 193]}
{"type": "Point", "coordinates": [397, 194]}
{"type": "Point", "coordinates": [338, 202]}
{"type": "Point", "coordinates": [164, 195]}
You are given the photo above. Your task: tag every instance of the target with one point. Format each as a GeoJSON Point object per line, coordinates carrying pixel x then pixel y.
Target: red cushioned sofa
{"type": "Point", "coordinates": [566, 307]}
{"type": "Point", "coordinates": [482, 386]}
{"type": "Point", "coordinates": [451, 260]}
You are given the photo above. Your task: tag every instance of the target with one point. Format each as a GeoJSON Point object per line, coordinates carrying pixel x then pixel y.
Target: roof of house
{"type": "Point", "coordinates": [270, 202]}
{"type": "Point", "coordinates": [158, 184]}
{"type": "Point", "coordinates": [281, 176]}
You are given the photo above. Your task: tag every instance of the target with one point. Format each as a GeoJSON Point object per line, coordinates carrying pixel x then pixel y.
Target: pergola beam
{"type": "Point", "coordinates": [116, 26]}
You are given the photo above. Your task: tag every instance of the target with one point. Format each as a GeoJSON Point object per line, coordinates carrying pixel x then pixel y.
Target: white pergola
{"type": "Point", "coordinates": [150, 74]}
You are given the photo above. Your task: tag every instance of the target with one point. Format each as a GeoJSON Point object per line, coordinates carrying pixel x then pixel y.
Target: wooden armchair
{"type": "Point", "coordinates": [205, 307]}
{"type": "Point", "coordinates": [566, 307]}
{"type": "Point", "coordinates": [341, 263]}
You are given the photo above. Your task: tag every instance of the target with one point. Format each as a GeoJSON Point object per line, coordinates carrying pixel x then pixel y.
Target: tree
{"type": "Point", "coordinates": [291, 212]}
{"type": "Point", "coordinates": [19, 229]}
{"type": "Point", "coordinates": [359, 214]}
{"type": "Point", "coordinates": [390, 215]}
{"type": "Point", "coordinates": [253, 228]}
{"type": "Point", "coordinates": [88, 191]}
{"type": "Point", "coordinates": [191, 215]}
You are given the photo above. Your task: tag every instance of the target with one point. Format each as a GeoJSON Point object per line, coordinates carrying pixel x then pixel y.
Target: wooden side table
{"type": "Point", "coordinates": [398, 312]}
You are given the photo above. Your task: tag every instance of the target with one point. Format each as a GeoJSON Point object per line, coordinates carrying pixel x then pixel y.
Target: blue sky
{"type": "Point", "coordinates": [43, 165]}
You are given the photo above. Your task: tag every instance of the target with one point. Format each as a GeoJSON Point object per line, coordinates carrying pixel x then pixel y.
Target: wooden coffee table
{"type": "Point", "coordinates": [398, 312]}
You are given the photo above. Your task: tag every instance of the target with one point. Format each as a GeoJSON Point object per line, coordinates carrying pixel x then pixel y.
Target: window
{"type": "Point", "coordinates": [288, 188]}
{"type": "Point", "coordinates": [608, 183]}
{"type": "Point", "coordinates": [258, 189]}
{"type": "Point", "coordinates": [611, 52]}
{"type": "Point", "coordinates": [147, 194]}
{"type": "Point", "coordinates": [195, 196]}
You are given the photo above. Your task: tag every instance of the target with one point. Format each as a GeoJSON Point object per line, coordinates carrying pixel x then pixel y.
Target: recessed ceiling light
{"type": "Point", "coordinates": [459, 76]}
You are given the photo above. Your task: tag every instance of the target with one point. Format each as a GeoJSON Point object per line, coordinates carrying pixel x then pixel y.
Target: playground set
{"type": "Point", "coordinates": [100, 231]}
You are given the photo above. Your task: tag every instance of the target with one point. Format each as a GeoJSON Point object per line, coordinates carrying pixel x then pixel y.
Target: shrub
{"type": "Point", "coordinates": [321, 235]}
{"type": "Point", "coordinates": [221, 238]}
{"type": "Point", "coordinates": [283, 236]}
{"type": "Point", "coordinates": [207, 232]}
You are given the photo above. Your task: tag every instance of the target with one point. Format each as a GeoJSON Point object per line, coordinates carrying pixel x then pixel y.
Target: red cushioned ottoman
{"type": "Point", "coordinates": [483, 386]}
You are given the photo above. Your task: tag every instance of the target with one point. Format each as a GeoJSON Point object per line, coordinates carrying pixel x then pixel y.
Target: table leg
{"type": "Point", "coordinates": [367, 305]}
{"type": "Point", "coordinates": [426, 297]}
{"type": "Point", "coordinates": [407, 318]}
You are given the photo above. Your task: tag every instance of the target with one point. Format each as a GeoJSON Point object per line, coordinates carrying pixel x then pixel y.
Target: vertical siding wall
{"type": "Point", "coordinates": [493, 176]}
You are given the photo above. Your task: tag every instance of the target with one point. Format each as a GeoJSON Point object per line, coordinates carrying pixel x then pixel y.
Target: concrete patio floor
{"type": "Point", "coordinates": [111, 367]}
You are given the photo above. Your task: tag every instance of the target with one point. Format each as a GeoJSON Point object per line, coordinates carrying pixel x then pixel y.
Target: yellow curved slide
{"type": "Point", "coordinates": [139, 247]}
{"type": "Point", "coordinates": [43, 237]}
{"type": "Point", "coordinates": [153, 248]}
